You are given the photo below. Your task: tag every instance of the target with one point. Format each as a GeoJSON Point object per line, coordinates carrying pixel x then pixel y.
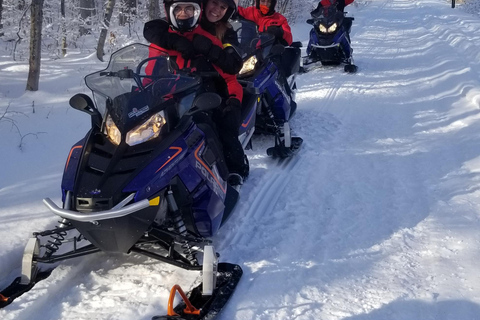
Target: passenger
{"type": "Point", "coordinates": [215, 18]}
{"type": "Point", "coordinates": [264, 15]}
{"type": "Point", "coordinates": [174, 36]}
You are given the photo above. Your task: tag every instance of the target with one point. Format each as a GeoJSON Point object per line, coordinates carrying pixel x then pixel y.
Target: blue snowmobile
{"type": "Point", "coordinates": [145, 179]}
{"type": "Point", "coordinates": [270, 70]}
{"type": "Point", "coordinates": [329, 42]}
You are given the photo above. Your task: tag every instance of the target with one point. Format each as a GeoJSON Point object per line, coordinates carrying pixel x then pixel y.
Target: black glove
{"type": "Point", "coordinates": [231, 114]}
{"type": "Point", "coordinates": [202, 44]}
{"type": "Point", "coordinates": [277, 31]}
{"type": "Point", "coordinates": [182, 45]}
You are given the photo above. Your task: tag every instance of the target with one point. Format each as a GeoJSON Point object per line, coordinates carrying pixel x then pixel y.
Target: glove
{"type": "Point", "coordinates": [231, 114]}
{"type": "Point", "coordinates": [182, 45]}
{"type": "Point", "coordinates": [202, 44]}
{"type": "Point", "coordinates": [277, 31]}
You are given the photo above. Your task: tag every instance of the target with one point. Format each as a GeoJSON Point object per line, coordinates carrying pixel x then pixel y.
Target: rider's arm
{"type": "Point", "coordinates": [154, 32]}
{"type": "Point", "coordinates": [226, 58]}
{"type": "Point", "coordinates": [234, 88]}
{"type": "Point", "coordinates": [247, 13]}
{"type": "Point", "coordinates": [287, 32]}
{"type": "Point", "coordinates": [157, 32]}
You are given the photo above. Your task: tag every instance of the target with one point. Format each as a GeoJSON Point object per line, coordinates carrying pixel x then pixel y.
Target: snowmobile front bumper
{"type": "Point", "coordinates": [326, 54]}
{"type": "Point", "coordinates": [116, 212]}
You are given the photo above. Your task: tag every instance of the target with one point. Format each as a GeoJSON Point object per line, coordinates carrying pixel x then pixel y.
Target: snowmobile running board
{"type": "Point", "coordinates": [197, 306]}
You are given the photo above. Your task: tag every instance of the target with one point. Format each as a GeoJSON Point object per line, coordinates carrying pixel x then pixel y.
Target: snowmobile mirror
{"type": "Point", "coordinates": [205, 101]}
{"type": "Point", "coordinates": [84, 103]}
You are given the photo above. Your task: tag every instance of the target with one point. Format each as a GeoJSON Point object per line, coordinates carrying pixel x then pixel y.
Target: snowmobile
{"type": "Point", "coordinates": [145, 179]}
{"type": "Point", "coordinates": [329, 42]}
{"type": "Point", "coordinates": [270, 69]}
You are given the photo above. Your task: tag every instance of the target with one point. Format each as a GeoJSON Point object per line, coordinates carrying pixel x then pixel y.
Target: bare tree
{"type": "Point", "coordinates": [128, 9]}
{"type": "Point", "coordinates": [36, 18]}
{"type": "Point", "coordinates": [1, 24]}
{"type": "Point", "coordinates": [153, 9]}
{"type": "Point", "coordinates": [64, 30]}
{"type": "Point", "coordinates": [103, 32]}
{"type": "Point", "coordinates": [87, 10]}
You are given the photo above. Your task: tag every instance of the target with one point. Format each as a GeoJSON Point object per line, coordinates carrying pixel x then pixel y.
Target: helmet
{"type": "Point", "coordinates": [183, 24]}
{"type": "Point", "coordinates": [273, 3]}
{"type": "Point", "coordinates": [232, 9]}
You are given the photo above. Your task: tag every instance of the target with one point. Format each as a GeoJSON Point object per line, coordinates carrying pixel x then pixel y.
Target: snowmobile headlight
{"type": "Point", "coordinates": [148, 130]}
{"type": "Point", "coordinates": [324, 29]}
{"type": "Point", "coordinates": [248, 65]}
{"type": "Point", "coordinates": [112, 131]}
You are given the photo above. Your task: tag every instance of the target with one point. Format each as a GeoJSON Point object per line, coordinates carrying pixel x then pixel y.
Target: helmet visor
{"type": "Point", "coordinates": [184, 15]}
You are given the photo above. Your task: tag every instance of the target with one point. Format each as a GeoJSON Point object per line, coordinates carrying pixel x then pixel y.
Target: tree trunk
{"type": "Point", "coordinates": [1, 24]}
{"type": "Point", "coordinates": [103, 33]}
{"type": "Point", "coordinates": [153, 9]}
{"type": "Point", "coordinates": [87, 10]}
{"type": "Point", "coordinates": [64, 30]}
{"type": "Point", "coordinates": [128, 8]}
{"type": "Point", "coordinates": [36, 19]}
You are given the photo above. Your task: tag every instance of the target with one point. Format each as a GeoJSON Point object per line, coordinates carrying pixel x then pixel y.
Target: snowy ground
{"type": "Point", "coordinates": [378, 216]}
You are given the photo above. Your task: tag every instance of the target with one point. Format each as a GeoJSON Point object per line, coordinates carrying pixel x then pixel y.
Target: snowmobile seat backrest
{"type": "Point", "coordinates": [291, 61]}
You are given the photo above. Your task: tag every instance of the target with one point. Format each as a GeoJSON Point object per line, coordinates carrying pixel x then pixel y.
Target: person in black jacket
{"type": "Point", "coordinates": [175, 36]}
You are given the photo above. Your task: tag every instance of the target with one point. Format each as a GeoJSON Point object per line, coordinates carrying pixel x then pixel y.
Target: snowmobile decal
{"type": "Point", "coordinates": [138, 112]}
{"type": "Point", "coordinates": [171, 158]}
{"type": "Point", "coordinates": [247, 122]}
{"type": "Point", "coordinates": [212, 178]}
{"type": "Point", "coordinates": [70, 155]}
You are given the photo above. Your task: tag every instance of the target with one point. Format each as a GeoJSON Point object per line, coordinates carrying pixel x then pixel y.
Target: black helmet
{"type": "Point", "coordinates": [273, 3]}
{"type": "Point", "coordinates": [184, 24]}
{"type": "Point", "coordinates": [232, 9]}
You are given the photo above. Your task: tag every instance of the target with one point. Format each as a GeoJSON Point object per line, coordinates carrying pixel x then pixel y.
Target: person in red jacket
{"type": "Point", "coordinates": [264, 15]}
{"type": "Point", "coordinates": [174, 36]}
{"type": "Point", "coordinates": [341, 4]}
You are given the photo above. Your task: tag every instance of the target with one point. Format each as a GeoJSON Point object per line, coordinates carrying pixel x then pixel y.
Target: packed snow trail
{"type": "Point", "coordinates": [377, 217]}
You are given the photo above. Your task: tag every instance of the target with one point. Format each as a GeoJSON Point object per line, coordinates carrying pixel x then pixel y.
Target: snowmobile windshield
{"type": "Point", "coordinates": [135, 69]}
{"type": "Point", "coordinates": [251, 41]}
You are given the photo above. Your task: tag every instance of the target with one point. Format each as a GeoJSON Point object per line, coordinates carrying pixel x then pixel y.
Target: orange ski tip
{"type": "Point", "coordinates": [3, 298]}
{"type": "Point", "coordinates": [189, 309]}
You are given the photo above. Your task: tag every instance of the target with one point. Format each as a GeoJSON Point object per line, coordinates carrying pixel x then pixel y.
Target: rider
{"type": "Point", "coordinates": [174, 37]}
{"type": "Point", "coordinates": [264, 15]}
{"type": "Point", "coordinates": [341, 4]}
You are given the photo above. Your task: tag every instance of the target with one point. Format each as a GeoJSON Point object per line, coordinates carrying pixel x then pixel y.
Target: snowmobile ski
{"type": "Point", "coordinates": [199, 306]}
{"type": "Point", "coordinates": [16, 288]}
